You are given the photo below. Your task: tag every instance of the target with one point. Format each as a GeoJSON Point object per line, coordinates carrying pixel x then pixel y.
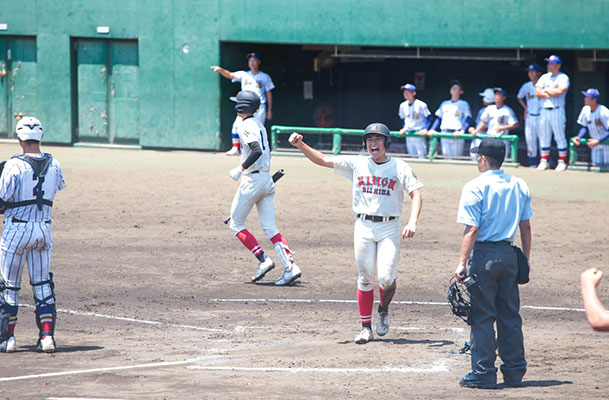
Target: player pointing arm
{"type": "Point", "coordinates": [378, 184]}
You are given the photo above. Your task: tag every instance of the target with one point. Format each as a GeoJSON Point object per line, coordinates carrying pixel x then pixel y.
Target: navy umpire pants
{"type": "Point", "coordinates": [497, 301]}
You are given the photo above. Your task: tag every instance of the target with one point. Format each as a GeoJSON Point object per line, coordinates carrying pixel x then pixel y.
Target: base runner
{"type": "Point", "coordinates": [379, 182]}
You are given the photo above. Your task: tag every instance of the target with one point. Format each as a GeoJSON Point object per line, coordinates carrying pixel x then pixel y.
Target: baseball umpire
{"type": "Point", "coordinates": [492, 207]}
{"type": "Point", "coordinates": [28, 186]}
{"type": "Point", "coordinates": [257, 188]}
{"type": "Point", "coordinates": [379, 182]}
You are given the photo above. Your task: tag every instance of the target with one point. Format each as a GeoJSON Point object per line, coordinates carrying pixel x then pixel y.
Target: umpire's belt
{"type": "Point", "coordinates": [501, 242]}
{"type": "Point", "coordinates": [375, 218]}
{"type": "Point", "coordinates": [20, 221]}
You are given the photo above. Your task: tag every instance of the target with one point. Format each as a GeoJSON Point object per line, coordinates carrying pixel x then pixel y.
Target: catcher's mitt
{"type": "Point", "coordinates": [460, 295]}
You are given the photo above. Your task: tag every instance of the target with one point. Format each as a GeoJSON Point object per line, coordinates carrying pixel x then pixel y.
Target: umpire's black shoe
{"type": "Point", "coordinates": [472, 381]}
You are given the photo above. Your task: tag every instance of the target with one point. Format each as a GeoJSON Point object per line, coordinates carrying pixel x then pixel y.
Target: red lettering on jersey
{"type": "Point", "coordinates": [384, 182]}
{"type": "Point", "coordinates": [367, 180]}
{"type": "Point", "coordinates": [392, 184]}
{"type": "Point", "coordinates": [376, 180]}
{"type": "Point", "coordinates": [360, 180]}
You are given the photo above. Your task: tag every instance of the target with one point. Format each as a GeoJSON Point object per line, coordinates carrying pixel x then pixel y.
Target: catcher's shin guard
{"type": "Point", "coordinates": [8, 313]}
{"type": "Point", "coordinates": [286, 258]}
{"type": "Point", "coordinates": [46, 312]}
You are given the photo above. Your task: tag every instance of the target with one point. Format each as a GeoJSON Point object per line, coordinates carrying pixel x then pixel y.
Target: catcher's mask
{"type": "Point", "coordinates": [460, 296]}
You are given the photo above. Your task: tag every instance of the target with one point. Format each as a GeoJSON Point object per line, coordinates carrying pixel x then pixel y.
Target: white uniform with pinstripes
{"type": "Point", "coordinates": [453, 115]}
{"type": "Point", "coordinates": [531, 122]}
{"type": "Point", "coordinates": [29, 241]}
{"type": "Point", "coordinates": [597, 123]}
{"type": "Point", "coordinates": [552, 115]}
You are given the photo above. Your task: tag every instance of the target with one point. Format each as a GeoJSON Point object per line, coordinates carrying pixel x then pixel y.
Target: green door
{"type": "Point", "coordinates": [18, 86]}
{"type": "Point", "coordinates": [107, 91]}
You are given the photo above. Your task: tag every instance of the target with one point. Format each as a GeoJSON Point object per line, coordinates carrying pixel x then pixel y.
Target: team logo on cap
{"type": "Point", "coordinates": [373, 128]}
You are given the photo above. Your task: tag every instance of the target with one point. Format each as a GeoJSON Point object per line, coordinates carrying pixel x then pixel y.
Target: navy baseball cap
{"type": "Point", "coordinates": [554, 59]}
{"type": "Point", "coordinates": [409, 86]}
{"type": "Point", "coordinates": [594, 93]}
{"type": "Point", "coordinates": [456, 82]}
{"type": "Point", "coordinates": [255, 55]}
{"type": "Point", "coordinates": [491, 147]}
{"type": "Point", "coordinates": [534, 67]}
{"type": "Point", "coordinates": [500, 90]}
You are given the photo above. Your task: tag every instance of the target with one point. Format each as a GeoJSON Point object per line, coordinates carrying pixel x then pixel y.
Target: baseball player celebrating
{"type": "Point", "coordinates": [28, 186]}
{"type": "Point", "coordinates": [453, 116]}
{"type": "Point", "coordinates": [531, 113]}
{"type": "Point", "coordinates": [551, 88]}
{"type": "Point", "coordinates": [257, 188]}
{"type": "Point", "coordinates": [594, 119]}
{"type": "Point", "coordinates": [417, 118]}
{"type": "Point", "coordinates": [379, 182]}
{"type": "Point", "coordinates": [497, 119]}
{"type": "Point", "coordinates": [256, 81]}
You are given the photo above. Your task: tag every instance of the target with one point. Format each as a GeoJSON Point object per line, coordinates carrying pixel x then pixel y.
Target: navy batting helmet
{"type": "Point", "coordinates": [378, 128]}
{"type": "Point", "coordinates": [247, 101]}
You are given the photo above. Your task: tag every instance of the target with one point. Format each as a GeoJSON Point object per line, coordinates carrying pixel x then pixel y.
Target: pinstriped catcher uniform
{"type": "Point", "coordinates": [28, 185]}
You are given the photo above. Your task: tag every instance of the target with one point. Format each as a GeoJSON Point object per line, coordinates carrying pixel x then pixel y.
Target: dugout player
{"type": "Point", "coordinates": [594, 120]}
{"type": "Point", "coordinates": [256, 81]}
{"type": "Point", "coordinates": [28, 186]}
{"type": "Point", "coordinates": [492, 207]}
{"type": "Point", "coordinates": [597, 315]}
{"type": "Point", "coordinates": [378, 185]}
{"type": "Point", "coordinates": [417, 119]}
{"type": "Point", "coordinates": [454, 116]}
{"type": "Point", "coordinates": [496, 119]}
{"type": "Point", "coordinates": [531, 113]}
{"type": "Point", "coordinates": [488, 98]}
{"type": "Point", "coordinates": [551, 88]}
{"type": "Point", "coordinates": [257, 188]}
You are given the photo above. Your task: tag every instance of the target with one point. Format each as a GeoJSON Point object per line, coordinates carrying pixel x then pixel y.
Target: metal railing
{"type": "Point", "coordinates": [338, 133]}
{"type": "Point", "coordinates": [573, 151]}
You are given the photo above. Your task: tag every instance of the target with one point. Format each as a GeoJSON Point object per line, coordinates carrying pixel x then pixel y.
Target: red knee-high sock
{"type": "Point", "coordinates": [279, 238]}
{"type": "Point", "coordinates": [251, 243]}
{"type": "Point", "coordinates": [386, 296]}
{"type": "Point", "coordinates": [365, 300]}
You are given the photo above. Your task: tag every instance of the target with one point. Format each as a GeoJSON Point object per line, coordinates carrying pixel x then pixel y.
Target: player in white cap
{"type": "Point", "coordinates": [256, 81]}
{"type": "Point", "coordinates": [454, 116]}
{"type": "Point", "coordinates": [488, 98]}
{"type": "Point", "coordinates": [498, 119]}
{"type": "Point", "coordinates": [531, 104]}
{"type": "Point", "coordinates": [378, 185]}
{"type": "Point", "coordinates": [551, 88]}
{"type": "Point", "coordinates": [594, 119]}
{"type": "Point", "coordinates": [417, 119]}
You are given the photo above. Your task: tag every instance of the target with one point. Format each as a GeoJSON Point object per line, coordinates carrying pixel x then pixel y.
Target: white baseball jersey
{"type": "Point", "coordinates": [597, 122]}
{"type": "Point", "coordinates": [250, 131]}
{"type": "Point", "coordinates": [17, 185]}
{"type": "Point", "coordinates": [527, 92]}
{"type": "Point", "coordinates": [259, 83]}
{"type": "Point", "coordinates": [495, 117]}
{"type": "Point", "coordinates": [378, 189]}
{"type": "Point", "coordinates": [547, 81]}
{"type": "Point", "coordinates": [414, 115]}
{"type": "Point", "coordinates": [453, 114]}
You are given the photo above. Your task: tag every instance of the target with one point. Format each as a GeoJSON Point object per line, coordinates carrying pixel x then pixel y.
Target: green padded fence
{"type": "Point", "coordinates": [573, 152]}
{"type": "Point", "coordinates": [338, 133]}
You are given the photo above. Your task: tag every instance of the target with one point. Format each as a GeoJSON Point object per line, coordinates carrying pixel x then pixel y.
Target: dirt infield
{"type": "Point", "coordinates": [156, 302]}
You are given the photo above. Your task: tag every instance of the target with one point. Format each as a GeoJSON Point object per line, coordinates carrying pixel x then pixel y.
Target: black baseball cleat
{"type": "Point", "coordinates": [471, 381]}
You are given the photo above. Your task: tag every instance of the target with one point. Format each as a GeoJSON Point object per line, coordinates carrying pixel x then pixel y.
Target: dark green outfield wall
{"type": "Point", "coordinates": [179, 98]}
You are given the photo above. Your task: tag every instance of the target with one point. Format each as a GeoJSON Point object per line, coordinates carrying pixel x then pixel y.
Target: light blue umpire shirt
{"type": "Point", "coordinates": [495, 202]}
